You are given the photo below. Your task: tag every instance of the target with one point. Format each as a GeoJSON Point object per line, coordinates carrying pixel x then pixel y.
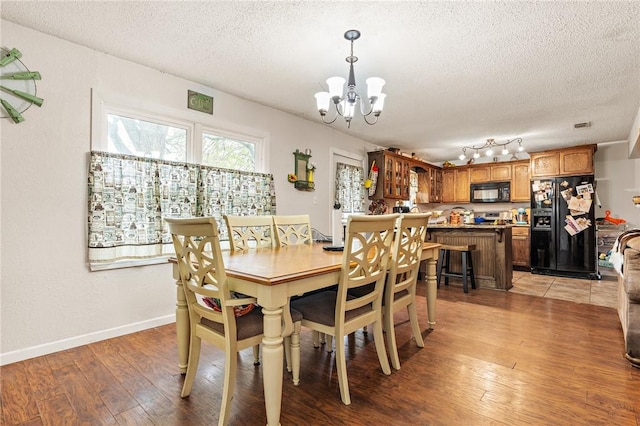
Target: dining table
{"type": "Point", "coordinates": [272, 276]}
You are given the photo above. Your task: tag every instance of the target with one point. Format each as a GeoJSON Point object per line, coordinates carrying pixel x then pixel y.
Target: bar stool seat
{"type": "Point", "coordinates": [467, 265]}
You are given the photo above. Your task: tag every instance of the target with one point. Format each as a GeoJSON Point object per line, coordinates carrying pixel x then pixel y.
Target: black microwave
{"type": "Point", "coordinates": [491, 192]}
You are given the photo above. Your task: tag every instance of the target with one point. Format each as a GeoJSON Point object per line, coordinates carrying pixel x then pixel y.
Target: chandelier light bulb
{"type": "Point", "coordinates": [520, 147]}
{"type": "Point", "coordinates": [461, 157]}
{"type": "Point", "coordinates": [476, 154]}
{"type": "Point", "coordinates": [505, 151]}
{"type": "Point", "coordinates": [489, 152]}
{"type": "Point", "coordinates": [336, 86]}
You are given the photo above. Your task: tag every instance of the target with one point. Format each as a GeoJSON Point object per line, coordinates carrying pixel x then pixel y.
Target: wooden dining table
{"type": "Point", "coordinates": [273, 276]}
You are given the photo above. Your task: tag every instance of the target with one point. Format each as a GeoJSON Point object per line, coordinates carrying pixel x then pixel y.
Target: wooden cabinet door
{"type": "Point", "coordinates": [520, 189]}
{"type": "Point", "coordinates": [448, 186]}
{"type": "Point", "coordinates": [500, 172]}
{"type": "Point", "coordinates": [520, 246]}
{"type": "Point", "coordinates": [578, 161]}
{"type": "Point", "coordinates": [479, 174]}
{"type": "Point", "coordinates": [545, 164]}
{"type": "Point", "coordinates": [436, 185]}
{"type": "Point", "coordinates": [462, 186]}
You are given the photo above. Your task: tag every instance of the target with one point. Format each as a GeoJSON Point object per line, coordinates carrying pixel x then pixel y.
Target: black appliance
{"type": "Point", "coordinates": [554, 250]}
{"type": "Point", "coordinates": [491, 192]}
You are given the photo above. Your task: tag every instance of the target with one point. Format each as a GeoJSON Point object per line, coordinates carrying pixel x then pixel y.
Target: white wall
{"type": "Point", "coordinates": [50, 300]}
{"type": "Point", "coordinates": [618, 179]}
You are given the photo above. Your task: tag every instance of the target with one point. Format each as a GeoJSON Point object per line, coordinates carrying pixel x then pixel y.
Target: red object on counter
{"type": "Point", "coordinates": [607, 217]}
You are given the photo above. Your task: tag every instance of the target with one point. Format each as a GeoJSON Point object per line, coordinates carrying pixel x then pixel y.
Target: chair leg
{"type": "Point", "coordinates": [341, 367]}
{"type": "Point", "coordinates": [295, 352]}
{"type": "Point", "coordinates": [378, 339]}
{"type": "Point", "coordinates": [473, 274]}
{"type": "Point", "coordinates": [439, 272]}
{"type": "Point", "coordinates": [391, 336]}
{"type": "Point", "coordinates": [231, 361]}
{"type": "Point", "coordinates": [329, 343]}
{"type": "Point", "coordinates": [256, 355]}
{"type": "Point", "coordinates": [318, 339]}
{"type": "Point", "coordinates": [194, 358]}
{"type": "Point", "coordinates": [287, 352]}
{"type": "Point", "coordinates": [447, 264]}
{"type": "Point", "coordinates": [413, 317]}
{"type": "Point", "coordinates": [465, 286]}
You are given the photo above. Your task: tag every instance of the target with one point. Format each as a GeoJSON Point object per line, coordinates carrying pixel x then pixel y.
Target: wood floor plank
{"type": "Point", "coordinates": [57, 411]}
{"type": "Point", "coordinates": [18, 402]}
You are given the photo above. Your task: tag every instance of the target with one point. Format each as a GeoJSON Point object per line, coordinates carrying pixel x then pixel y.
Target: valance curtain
{"type": "Point", "coordinates": [350, 191]}
{"type": "Point", "coordinates": [129, 197]}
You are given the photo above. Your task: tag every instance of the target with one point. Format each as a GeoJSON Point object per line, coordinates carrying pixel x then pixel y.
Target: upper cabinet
{"type": "Point", "coordinates": [429, 183]}
{"type": "Point", "coordinates": [520, 189]}
{"type": "Point", "coordinates": [455, 185]}
{"type": "Point", "coordinates": [493, 172]}
{"type": "Point", "coordinates": [563, 162]}
{"type": "Point", "coordinates": [393, 175]}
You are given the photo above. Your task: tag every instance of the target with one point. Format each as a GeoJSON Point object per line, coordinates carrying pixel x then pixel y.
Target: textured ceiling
{"type": "Point", "coordinates": [457, 73]}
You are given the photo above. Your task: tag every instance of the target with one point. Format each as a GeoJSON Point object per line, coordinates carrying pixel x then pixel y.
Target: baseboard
{"type": "Point", "coordinates": [73, 342]}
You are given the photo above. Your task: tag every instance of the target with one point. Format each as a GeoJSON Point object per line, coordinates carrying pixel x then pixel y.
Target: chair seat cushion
{"type": "Point", "coordinates": [321, 308]}
{"type": "Point", "coordinates": [248, 325]}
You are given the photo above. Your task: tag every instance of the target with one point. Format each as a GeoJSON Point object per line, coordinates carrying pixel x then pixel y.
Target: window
{"type": "Point", "coordinates": [144, 138]}
{"type": "Point", "coordinates": [150, 161]}
{"type": "Point", "coordinates": [128, 127]}
{"type": "Point", "coordinates": [221, 151]}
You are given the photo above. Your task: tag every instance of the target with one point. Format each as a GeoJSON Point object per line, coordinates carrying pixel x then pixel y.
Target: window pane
{"type": "Point", "coordinates": [219, 151]}
{"type": "Point", "coordinates": [146, 139]}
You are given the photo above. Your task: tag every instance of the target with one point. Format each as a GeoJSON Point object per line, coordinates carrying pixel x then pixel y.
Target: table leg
{"type": "Point", "coordinates": [182, 328]}
{"type": "Point", "coordinates": [272, 359]}
{"type": "Point", "coordinates": [431, 290]}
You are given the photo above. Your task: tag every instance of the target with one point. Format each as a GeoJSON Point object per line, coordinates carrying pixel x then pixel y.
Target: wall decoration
{"type": "Point", "coordinates": [17, 86]}
{"type": "Point", "coordinates": [302, 178]}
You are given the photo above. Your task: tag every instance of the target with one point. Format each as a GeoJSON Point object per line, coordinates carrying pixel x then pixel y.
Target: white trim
{"type": "Point", "coordinates": [73, 342]}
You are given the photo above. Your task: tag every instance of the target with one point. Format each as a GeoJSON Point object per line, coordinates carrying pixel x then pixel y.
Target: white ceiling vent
{"type": "Point", "coordinates": [582, 125]}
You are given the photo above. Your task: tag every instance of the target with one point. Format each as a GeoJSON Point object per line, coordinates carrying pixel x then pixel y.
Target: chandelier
{"type": "Point", "coordinates": [491, 147]}
{"type": "Point", "coordinates": [345, 103]}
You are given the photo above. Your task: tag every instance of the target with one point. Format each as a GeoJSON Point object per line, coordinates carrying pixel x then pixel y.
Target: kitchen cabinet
{"type": "Point", "coordinates": [393, 175]}
{"type": "Point", "coordinates": [448, 185]}
{"type": "Point", "coordinates": [563, 162]}
{"type": "Point", "coordinates": [479, 174]}
{"type": "Point", "coordinates": [494, 172]}
{"type": "Point", "coordinates": [429, 183]}
{"type": "Point", "coordinates": [500, 172]}
{"type": "Point", "coordinates": [520, 246]}
{"type": "Point", "coordinates": [520, 181]}
{"type": "Point", "coordinates": [455, 185]}
{"type": "Point", "coordinates": [462, 185]}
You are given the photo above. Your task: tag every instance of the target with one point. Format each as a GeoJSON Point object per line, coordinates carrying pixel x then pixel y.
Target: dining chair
{"type": "Point", "coordinates": [197, 245]}
{"type": "Point", "coordinates": [249, 231]}
{"type": "Point", "coordinates": [365, 260]}
{"type": "Point", "coordinates": [400, 287]}
{"type": "Point", "coordinates": [292, 229]}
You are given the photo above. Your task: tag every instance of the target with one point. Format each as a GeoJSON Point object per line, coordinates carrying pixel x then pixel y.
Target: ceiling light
{"type": "Point", "coordinates": [345, 103]}
{"type": "Point", "coordinates": [490, 145]}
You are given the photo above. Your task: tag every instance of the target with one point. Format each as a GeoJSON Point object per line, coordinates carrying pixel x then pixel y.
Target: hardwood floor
{"type": "Point", "coordinates": [493, 358]}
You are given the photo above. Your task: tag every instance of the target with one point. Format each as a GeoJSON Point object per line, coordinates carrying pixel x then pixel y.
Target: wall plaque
{"type": "Point", "coordinates": [200, 102]}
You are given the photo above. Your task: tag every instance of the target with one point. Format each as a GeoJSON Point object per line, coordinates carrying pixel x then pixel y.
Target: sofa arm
{"type": "Point", "coordinates": [631, 270]}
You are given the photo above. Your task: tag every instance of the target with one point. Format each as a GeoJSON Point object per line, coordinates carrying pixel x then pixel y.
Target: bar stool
{"type": "Point", "coordinates": [467, 265]}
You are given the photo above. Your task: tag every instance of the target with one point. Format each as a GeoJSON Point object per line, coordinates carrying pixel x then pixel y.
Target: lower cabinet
{"type": "Point", "coordinates": [520, 246]}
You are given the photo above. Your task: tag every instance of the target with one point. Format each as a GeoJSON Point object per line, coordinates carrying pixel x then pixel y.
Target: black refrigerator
{"type": "Point", "coordinates": [563, 236]}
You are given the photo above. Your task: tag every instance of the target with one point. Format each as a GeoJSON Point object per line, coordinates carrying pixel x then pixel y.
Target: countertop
{"type": "Point", "coordinates": [488, 225]}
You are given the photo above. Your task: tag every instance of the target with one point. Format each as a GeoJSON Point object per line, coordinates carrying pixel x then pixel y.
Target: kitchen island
{"type": "Point", "coordinates": [492, 258]}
